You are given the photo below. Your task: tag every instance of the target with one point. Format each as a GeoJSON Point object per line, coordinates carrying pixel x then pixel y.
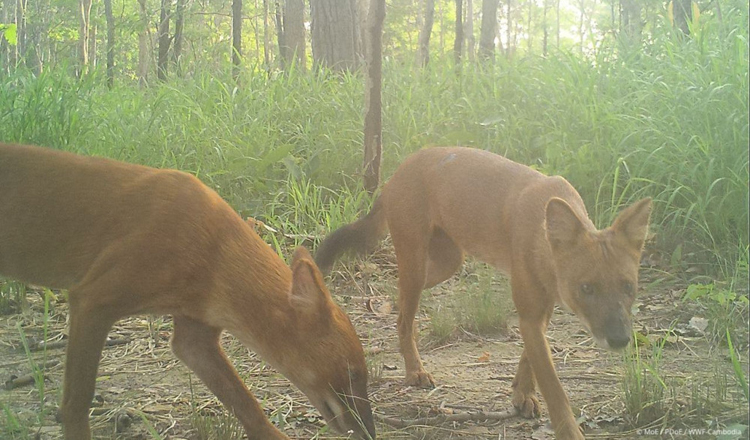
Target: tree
{"type": "Point", "coordinates": [373, 97]}
{"type": "Point", "coordinates": [179, 25]}
{"type": "Point", "coordinates": [488, 30]}
{"type": "Point", "coordinates": [164, 41]}
{"type": "Point", "coordinates": [469, 29]}
{"type": "Point", "coordinates": [143, 55]}
{"type": "Point", "coordinates": [110, 42]}
{"type": "Point", "coordinates": [293, 29]}
{"type": "Point", "coordinates": [335, 34]}
{"type": "Point", "coordinates": [84, 23]}
{"type": "Point", "coordinates": [423, 50]}
{"type": "Point", "coordinates": [458, 42]}
{"type": "Point", "coordinates": [682, 11]}
{"type": "Point", "coordinates": [236, 38]}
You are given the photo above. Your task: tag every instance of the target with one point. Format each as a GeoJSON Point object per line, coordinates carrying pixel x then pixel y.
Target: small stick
{"type": "Point", "coordinates": [17, 382]}
{"type": "Point", "coordinates": [475, 416]}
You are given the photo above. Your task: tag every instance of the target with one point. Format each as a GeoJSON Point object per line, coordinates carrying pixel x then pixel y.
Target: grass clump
{"type": "Point", "coordinates": [480, 307]}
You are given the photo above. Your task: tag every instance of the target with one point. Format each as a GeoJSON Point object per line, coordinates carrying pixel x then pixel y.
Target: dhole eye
{"type": "Point", "coordinates": [587, 289]}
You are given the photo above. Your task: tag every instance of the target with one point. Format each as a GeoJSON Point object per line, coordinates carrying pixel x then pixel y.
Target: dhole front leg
{"type": "Point", "coordinates": [197, 344]}
{"type": "Point", "coordinates": [87, 335]}
{"type": "Point", "coordinates": [539, 356]}
{"type": "Point", "coordinates": [524, 389]}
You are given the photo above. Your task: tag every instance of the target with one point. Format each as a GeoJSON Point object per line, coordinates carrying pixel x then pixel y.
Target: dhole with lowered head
{"type": "Point", "coordinates": [443, 203]}
{"type": "Point", "coordinates": [128, 239]}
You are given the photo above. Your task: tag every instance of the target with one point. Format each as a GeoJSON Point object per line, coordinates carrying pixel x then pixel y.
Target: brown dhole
{"type": "Point", "coordinates": [128, 239]}
{"type": "Point", "coordinates": [442, 203]}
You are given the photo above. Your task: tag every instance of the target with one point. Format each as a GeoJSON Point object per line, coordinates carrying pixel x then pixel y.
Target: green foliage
{"type": "Point", "coordinates": [725, 309]}
{"type": "Point", "coordinates": [668, 120]}
{"type": "Point", "coordinates": [9, 32]}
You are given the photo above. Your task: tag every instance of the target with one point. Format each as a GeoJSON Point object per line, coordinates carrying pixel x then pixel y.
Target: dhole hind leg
{"type": "Point", "coordinates": [197, 345]}
{"type": "Point", "coordinates": [410, 235]}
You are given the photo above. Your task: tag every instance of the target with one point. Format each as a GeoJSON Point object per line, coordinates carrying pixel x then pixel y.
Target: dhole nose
{"type": "Point", "coordinates": [618, 341]}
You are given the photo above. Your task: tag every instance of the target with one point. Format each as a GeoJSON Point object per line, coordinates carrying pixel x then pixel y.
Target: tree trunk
{"type": "Point", "coordinates": [557, 24]}
{"type": "Point", "coordinates": [529, 30]}
{"type": "Point", "coordinates": [143, 55]}
{"type": "Point", "coordinates": [487, 32]}
{"type": "Point", "coordinates": [4, 44]}
{"type": "Point", "coordinates": [682, 11]}
{"type": "Point", "coordinates": [280, 36]}
{"type": "Point", "coordinates": [423, 51]}
{"type": "Point", "coordinates": [545, 28]}
{"type": "Point", "coordinates": [84, 23]}
{"type": "Point", "coordinates": [508, 35]}
{"type": "Point", "coordinates": [20, 31]}
{"type": "Point", "coordinates": [179, 25]}
{"type": "Point", "coordinates": [335, 34]}
{"type": "Point", "coordinates": [373, 105]}
{"type": "Point", "coordinates": [266, 38]}
{"type": "Point", "coordinates": [236, 38]}
{"type": "Point", "coordinates": [110, 43]}
{"type": "Point", "coordinates": [458, 42]}
{"type": "Point", "coordinates": [164, 40]}
{"type": "Point", "coordinates": [469, 29]}
{"type": "Point", "coordinates": [293, 24]}
{"type": "Point", "coordinates": [630, 12]}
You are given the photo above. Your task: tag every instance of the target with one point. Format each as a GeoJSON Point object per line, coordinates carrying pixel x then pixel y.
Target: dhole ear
{"type": "Point", "coordinates": [632, 223]}
{"type": "Point", "coordinates": [563, 226]}
{"type": "Point", "coordinates": [308, 294]}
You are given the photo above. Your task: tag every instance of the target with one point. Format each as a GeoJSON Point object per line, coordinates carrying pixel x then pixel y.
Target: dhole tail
{"type": "Point", "coordinates": [360, 237]}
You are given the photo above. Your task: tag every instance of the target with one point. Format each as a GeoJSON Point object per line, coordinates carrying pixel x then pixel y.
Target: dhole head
{"type": "Point", "coordinates": [327, 361]}
{"type": "Point", "coordinates": [597, 271]}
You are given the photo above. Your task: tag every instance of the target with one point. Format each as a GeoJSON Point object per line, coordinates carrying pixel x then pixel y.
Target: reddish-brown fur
{"type": "Point", "coordinates": [128, 239]}
{"type": "Point", "coordinates": [443, 203]}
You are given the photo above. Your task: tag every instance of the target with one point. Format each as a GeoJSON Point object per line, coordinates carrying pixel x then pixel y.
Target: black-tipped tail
{"type": "Point", "coordinates": [360, 237]}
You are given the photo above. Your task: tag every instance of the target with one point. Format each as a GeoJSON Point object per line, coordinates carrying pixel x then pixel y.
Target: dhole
{"type": "Point", "coordinates": [443, 203]}
{"type": "Point", "coordinates": [128, 239]}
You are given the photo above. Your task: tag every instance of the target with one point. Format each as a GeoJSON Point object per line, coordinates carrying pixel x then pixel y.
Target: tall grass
{"type": "Point", "coordinates": [668, 120]}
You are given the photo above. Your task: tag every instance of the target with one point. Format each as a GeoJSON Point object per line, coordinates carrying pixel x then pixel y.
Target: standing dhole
{"type": "Point", "coordinates": [442, 203]}
{"type": "Point", "coordinates": [128, 239]}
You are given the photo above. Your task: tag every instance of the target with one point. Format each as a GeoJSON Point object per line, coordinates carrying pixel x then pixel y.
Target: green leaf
{"type": "Point", "coordinates": [9, 32]}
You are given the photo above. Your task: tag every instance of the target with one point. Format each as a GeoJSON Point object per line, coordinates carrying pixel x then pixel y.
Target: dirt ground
{"type": "Point", "coordinates": [143, 389]}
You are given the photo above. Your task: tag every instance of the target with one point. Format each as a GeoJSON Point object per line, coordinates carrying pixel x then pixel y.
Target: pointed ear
{"type": "Point", "coordinates": [309, 293]}
{"type": "Point", "coordinates": [562, 224]}
{"type": "Point", "coordinates": [632, 223]}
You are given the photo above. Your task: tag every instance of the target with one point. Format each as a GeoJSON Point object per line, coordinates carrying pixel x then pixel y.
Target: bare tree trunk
{"type": "Point", "coordinates": [84, 22]}
{"type": "Point", "coordinates": [469, 29]}
{"type": "Point", "coordinates": [110, 43]}
{"type": "Point", "coordinates": [20, 31]}
{"type": "Point", "coordinates": [582, 5]}
{"type": "Point", "coordinates": [509, 35]}
{"type": "Point", "coordinates": [336, 41]}
{"type": "Point", "coordinates": [4, 44]}
{"type": "Point", "coordinates": [293, 24]}
{"type": "Point", "coordinates": [280, 35]}
{"type": "Point", "coordinates": [545, 28]}
{"type": "Point", "coordinates": [458, 42]}
{"type": "Point", "coordinates": [630, 12]}
{"type": "Point", "coordinates": [179, 25]}
{"type": "Point", "coordinates": [557, 24]}
{"type": "Point", "coordinates": [529, 30]}
{"type": "Point", "coordinates": [682, 11]}
{"type": "Point", "coordinates": [423, 52]}
{"type": "Point", "coordinates": [236, 38]}
{"type": "Point", "coordinates": [164, 41]}
{"type": "Point", "coordinates": [373, 118]}
{"type": "Point", "coordinates": [143, 55]}
{"type": "Point", "coordinates": [487, 32]}
{"type": "Point", "coordinates": [93, 59]}
{"type": "Point", "coordinates": [266, 37]}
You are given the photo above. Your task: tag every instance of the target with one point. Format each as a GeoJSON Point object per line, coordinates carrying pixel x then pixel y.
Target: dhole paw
{"type": "Point", "coordinates": [527, 406]}
{"type": "Point", "coordinates": [574, 433]}
{"type": "Point", "coordinates": [420, 379]}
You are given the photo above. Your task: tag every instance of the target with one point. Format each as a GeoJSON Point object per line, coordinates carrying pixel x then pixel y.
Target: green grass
{"type": "Point", "coordinates": [667, 120]}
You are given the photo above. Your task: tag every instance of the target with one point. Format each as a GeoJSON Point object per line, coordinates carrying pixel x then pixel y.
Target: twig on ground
{"type": "Point", "coordinates": [472, 416]}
